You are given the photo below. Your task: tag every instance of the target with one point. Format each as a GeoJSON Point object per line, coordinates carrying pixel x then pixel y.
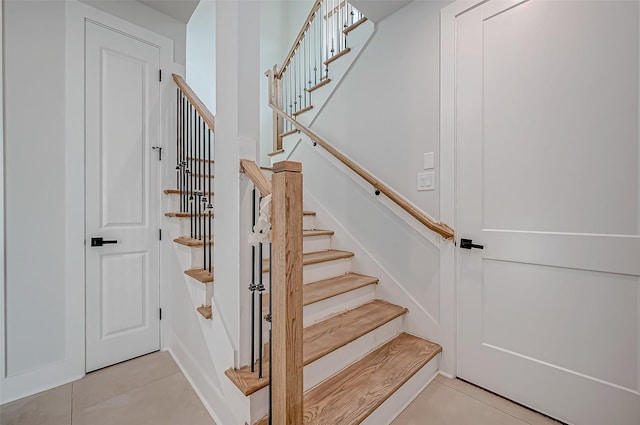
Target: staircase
{"type": "Point", "coordinates": [359, 364]}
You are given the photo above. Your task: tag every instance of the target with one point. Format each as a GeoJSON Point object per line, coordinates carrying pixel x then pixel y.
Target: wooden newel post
{"type": "Point", "coordinates": [286, 219]}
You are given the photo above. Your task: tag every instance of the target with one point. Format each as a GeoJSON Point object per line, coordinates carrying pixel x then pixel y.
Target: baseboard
{"type": "Point", "coordinates": [206, 391]}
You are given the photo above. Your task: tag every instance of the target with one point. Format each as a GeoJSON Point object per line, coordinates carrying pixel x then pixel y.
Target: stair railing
{"type": "Point", "coordinates": [194, 169]}
{"type": "Point", "coordinates": [322, 39]}
{"type": "Point", "coordinates": [280, 226]}
{"type": "Point", "coordinates": [379, 188]}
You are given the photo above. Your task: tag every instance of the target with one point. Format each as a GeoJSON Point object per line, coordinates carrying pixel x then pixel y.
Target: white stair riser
{"type": "Point", "coordinates": [174, 202]}
{"type": "Point", "coordinates": [400, 399]}
{"type": "Point", "coordinates": [197, 290]}
{"type": "Point", "coordinates": [316, 243]}
{"type": "Point", "coordinates": [321, 310]}
{"type": "Point", "coordinates": [309, 222]}
{"type": "Point", "coordinates": [194, 254]}
{"type": "Point", "coordinates": [332, 363]}
{"type": "Point", "coordinates": [325, 367]}
{"type": "Point", "coordinates": [185, 225]}
{"type": "Point", "coordinates": [309, 244]}
{"type": "Point", "coordinates": [320, 271]}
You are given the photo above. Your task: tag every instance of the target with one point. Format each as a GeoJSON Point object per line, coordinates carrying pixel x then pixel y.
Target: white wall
{"type": "Point", "coordinates": [2, 203]}
{"type": "Point", "coordinates": [44, 204]}
{"type": "Point", "coordinates": [34, 64]}
{"type": "Point", "coordinates": [201, 53]}
{"type": "Point", "coordinates": [146, 17]}
{"type": "Point", "coordinates": [385, 114]}
{"type": "Point", "coordinates": [280, 22]}
{"type": "Point", "coordinates": [273, 49]}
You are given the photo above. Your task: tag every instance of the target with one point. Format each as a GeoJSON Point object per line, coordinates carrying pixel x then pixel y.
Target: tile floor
{"type": "Point", "coordinates": [152, 390]}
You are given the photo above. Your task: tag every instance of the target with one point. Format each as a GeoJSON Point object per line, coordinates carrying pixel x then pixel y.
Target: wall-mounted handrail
{"type": "Point", "coordinates": [440, 228]}
{"type": "Point", "coordinates": [257, 177]}
{"type": "Point", "coordinates": [296, 43]}
{"type": "Point", "coordinates": [193, 98]}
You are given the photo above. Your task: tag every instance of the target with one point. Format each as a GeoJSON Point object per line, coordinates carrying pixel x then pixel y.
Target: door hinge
{"type": "Point", "coordinates": [160, 234]}
{"type": "Point", "coordinates": [160, 314]}
{"type": "Point", "coordinates": [160, 75]}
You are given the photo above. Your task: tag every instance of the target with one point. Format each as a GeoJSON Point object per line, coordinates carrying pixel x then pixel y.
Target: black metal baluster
{"type": "Point", "coordinates": [197, 164]}
{"type": "Point", "coordinates": [178, 140]}
{"type": "Point", "coordinates": [252, 287]}
{"type": "Point", "coordinates": [191, 171]}
{"type": "Point", "coordinates": [260, 291]}
{"type": "Point", "coordinates": [210, 207]}
{"type": "Point", "coordinates": [270, 319]}
{"type": "Point", "coordinates": [183, 165]}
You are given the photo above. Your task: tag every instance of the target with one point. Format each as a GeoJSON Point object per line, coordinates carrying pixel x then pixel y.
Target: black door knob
{"type": "Point", "coordinates": [101, 241]}
{"type": "Point", "coordinates": [468, 244]}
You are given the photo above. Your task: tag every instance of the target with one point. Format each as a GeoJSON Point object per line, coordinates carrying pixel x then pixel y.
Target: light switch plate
{"type": "Point", "coordinates": [429, 161]}
{"type": "Point", "coordinates": [426, 181]}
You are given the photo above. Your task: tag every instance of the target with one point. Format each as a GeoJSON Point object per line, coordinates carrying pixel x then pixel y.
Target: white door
{"type": "Point", "coordinates": [122, 126]}
{"type": "Point", "coordinates": [548, 181]}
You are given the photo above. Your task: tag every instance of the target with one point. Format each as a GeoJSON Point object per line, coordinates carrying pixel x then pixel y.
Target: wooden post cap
{"type": "Point", "coordinates": [291, 166]}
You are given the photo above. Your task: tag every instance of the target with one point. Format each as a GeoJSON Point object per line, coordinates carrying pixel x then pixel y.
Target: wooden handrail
{"type": "Point", "coordinates": [299, 38]}
{"type": "Point", "coordinates": [193, 98]}
{"type": "Point", "coordinates": [255, 174]}
{"type": "Point", "coordinates": [440, 228]}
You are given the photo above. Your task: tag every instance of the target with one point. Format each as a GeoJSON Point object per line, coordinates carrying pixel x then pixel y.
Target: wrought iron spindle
{"type": "Point", "coordinates": [183, 164]}
{"type": "Point", "coordinates": [260, 290]}
{"type": "Point", "coordinates": [269, 319]}
{"type": "Point", "coordinates": [253, 285]}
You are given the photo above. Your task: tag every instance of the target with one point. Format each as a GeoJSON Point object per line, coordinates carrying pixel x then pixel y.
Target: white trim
{"type": "Point", "coordinates": [448, 188]}
{"type": "Point", "coordinates": [190, 369]}
{"type": "Point", "coordinates": [2, 223]}
{"type": "Point", "coordinates": [77, 15]}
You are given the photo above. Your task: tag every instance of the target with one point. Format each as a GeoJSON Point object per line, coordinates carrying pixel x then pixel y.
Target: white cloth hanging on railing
{"type": "Point", "coordinates": [262, 228]}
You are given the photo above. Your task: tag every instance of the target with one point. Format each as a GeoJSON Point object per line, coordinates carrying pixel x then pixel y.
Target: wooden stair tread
{"type": "Point", "coordinates": [327, 288]}
{"type": "Point", "coordinates": [302, 111]}
{"type": "Point", "coordinates": [308, 213]}
{"type": "Point", "coordinates": [327, 336]}
{"type": "Point", "coordinates": [185, 215]}
{"type": "Point", "coordinates": [177, 192]}
{"type": "Point", "coordinates": [285, 134]}
{"type": "Point", "coordinates": [205, 311]}
{"type": "Point", "coordinates": [316, 232]}
{"type": "Point", "coordinates": [274, 153]}
{"type": "Point", "coordinates": [323, 82]}
{"type": "Point", "coordinates": [200, 275]}
{"type": "Point", "coordinates": [355, 25]}
{"type": "Point", "coordinates": [192, 242]}
{"type": "Point", "coordinates": [323, 338]}
{"type": "Point", "coordinates": [352, 394]}
{"type": "Point", "coordinates": [337, 56]}
{"type": "Point", "coordinates": [316, 257]}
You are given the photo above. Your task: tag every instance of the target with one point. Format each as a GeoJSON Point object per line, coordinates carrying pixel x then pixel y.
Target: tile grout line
{"type": "Point", "coordinates": [487, 404]}
{"type": "Point", "coordinates": [73, 388]}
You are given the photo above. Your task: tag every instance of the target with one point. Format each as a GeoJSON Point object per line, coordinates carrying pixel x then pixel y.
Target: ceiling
{"type": "Point", "coordinates": [178, 9]}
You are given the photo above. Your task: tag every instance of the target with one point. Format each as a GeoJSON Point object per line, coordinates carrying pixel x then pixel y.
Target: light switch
{"type": "Point", "coordinates": [429, 161]}
{"type": "Point", "coordinates": [426, 181]}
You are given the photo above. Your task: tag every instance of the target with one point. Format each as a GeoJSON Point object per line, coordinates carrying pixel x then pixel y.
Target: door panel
{"type": "Point", "coordinates": [122, 122]}
{"type": "Point", "coordinates": [124, 154]}
{"type": "Point", "coordinates": [547, 180]}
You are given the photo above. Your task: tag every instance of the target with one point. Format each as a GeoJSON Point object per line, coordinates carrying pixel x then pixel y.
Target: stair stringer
{"type": "Point", "coordinates": [419, 321]}
{"type": "Point", "coordinates": [202, 348]}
